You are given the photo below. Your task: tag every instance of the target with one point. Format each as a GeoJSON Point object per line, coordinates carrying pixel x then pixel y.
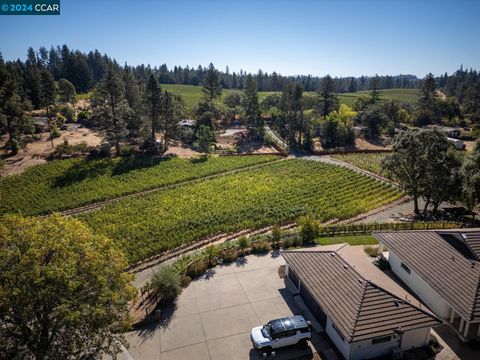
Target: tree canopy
{"type": "Point", "coordinates": [63, 290]}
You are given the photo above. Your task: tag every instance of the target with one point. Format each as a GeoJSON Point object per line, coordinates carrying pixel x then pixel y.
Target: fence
{"type": "Point", "coordinates": [336, 230]}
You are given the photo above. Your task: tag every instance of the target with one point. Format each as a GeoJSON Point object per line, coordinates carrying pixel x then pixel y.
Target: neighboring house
{"type": "Point", "coordinates": [443, 269]}
{"type": "Point", "coordinates": [40, 123]}
{"type": "Point", "coordinates": [459, 145]}
{"type": "Point", "coordinates": [187, 123]}
{"type": "Point", "coordinates": [362, 319]}
{"type": "Point", "coordinates": [451, 132]}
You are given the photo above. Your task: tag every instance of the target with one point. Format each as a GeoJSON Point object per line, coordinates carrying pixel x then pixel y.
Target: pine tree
{"type": "Point", "coordinates": [210, 86]}
{"type": "Point", "coordinates": [153, 104]}
{"type": "Point", "coordinates": [48, 98]}
{"type": "Point", "coordinates": [328, 96]}
{"type": "Point", "coordinates": [110, 105]}
{"type": "Point", "coordinates": [375, 94]}
{"type": "Point", "coordinates": [252, 108]}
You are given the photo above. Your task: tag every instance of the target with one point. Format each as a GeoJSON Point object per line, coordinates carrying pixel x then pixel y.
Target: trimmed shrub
{"type": "Point", "coordinates": [309, 229]}
{"type": "Point", "coordinates": [197, 268]}
{"type": "Point", "coordinates": [229, 254]}
{"type": "Point", "coordinates": [372, 251]}
{"type": "Point", "coordinates": [166, 284]}
{"type": "Point", "coordinates": [261, 246]}
{"type": "Point", "coordinates": [185, 280]}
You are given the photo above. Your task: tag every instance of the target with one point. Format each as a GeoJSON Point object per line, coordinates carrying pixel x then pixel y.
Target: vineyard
{"type": "Point", "coordinates": [65, 184]}
{"type": "Point", "coordinates": [367, 161]}
{"type": "Point", "coordinates": [275, 193]}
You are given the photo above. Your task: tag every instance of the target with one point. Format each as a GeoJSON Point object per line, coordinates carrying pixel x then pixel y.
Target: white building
{"type": "Point", "coordinates": [362, 319]}
{"type": "Point", "coordinates": [443, 269]}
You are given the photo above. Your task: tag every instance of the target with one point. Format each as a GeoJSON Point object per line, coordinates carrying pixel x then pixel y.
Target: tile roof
{"type": "Point", "coordinates": [359, 309]}
{"type": "Point", "coordinates": [441, 264]}
{"type": "Point", "coordinates": [472, 239]}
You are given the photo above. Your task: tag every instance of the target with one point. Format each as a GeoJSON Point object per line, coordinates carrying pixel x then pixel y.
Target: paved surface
{"type": "Point", "coordinates": [213, 316]}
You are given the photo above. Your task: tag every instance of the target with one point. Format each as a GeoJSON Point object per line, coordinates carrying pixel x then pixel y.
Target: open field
{"type": "Point", "coordinates": [65, 184]}
{"type": "Point", "coordinates": [192, 94]}
{"type": "Point", "coordinates": [274, 193]}
{"type": "Point", "coordinates": [367, 161]}
{"type": "Point", "coordinates": [402, 95]}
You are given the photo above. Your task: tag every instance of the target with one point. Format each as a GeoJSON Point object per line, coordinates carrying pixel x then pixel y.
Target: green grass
{"type": "Point", "coordinates": [402, 95]}
{"type": "Point", "coordinates": [275, 193]}
{"type": "Point", "coordinates": [367, 161]}
{"type": "Point", "coordinates": [84, 96]}
{"type": "Point", "coordinates": [65, 184]}
{"type": "Point", "coordinates": [192, 94]}
{"type": "Point", "coordinates": [350, 239]}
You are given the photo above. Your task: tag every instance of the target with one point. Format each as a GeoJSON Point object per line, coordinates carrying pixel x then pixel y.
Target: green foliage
{"type": "Point", "coordinates": [66, 149]}
{"type": "Point", "coordinates": [309, 228]}
{"type": "Point", "coordinates": [166, 284]}
{"type": "Point", "coordinates": [197, 268]}
{"type": "Point", "coordinates": [349, 239]}
{"type": "Point", "coordinates": [271, 194]}
{"type": "Point", "coordinates": [63, 290]}
{"type": "Point", "coordinates": [204, 139]}
{"type": "Point", "coordinates": [276, 236]}
{"type": "Point", "coordinates": [371, 251]}
{"type": "Point", "coordinates": [367, 161]}
{"type": "Point", "coordinates": [54, 133]}
{"type": "Point", "coordinates": [60, 185]}
{"type": "Point", "coordinates": [260, 247]}
{"type": "Point", "coordinates": [66, 91]}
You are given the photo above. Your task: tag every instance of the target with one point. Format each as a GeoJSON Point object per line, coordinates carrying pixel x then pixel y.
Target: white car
{"type": "Point", "coordinates": [280, 333]}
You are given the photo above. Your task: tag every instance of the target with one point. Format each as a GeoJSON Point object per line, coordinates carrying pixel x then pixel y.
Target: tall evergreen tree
{"type": "Point", "coordinates": [252, 108]}
{"type": "Point", "coordinates": [211, 88]}
{"type": "Point", "coordinates": [328, 96]}
{"type": "Point", "coordinates": [375, 85]}
{"type": "Point", "coordinates": [153, 99]}
{"type": "Point", "coordinates": [110, 105]}
{"type": "Point", "coordinates": [48, 98]}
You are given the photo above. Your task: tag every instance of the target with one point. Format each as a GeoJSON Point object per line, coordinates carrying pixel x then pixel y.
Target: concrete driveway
{"type": "Point", "coordinates": [213, 316]}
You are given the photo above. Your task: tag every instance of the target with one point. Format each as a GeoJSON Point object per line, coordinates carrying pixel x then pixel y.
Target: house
{"type": "Point", "coordinates": [187, 123]}
{"type": "Point", "coordinates": [451, 132]}
{"type": "Point", "coordinates": [443, 269]}
{"type": "Point", "coordinates": [362, 319]}
{"type": "Point", "coordinates": [459, 145]}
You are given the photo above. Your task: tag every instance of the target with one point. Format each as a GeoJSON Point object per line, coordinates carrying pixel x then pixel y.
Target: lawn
{"type": "Point", "coordinates": [275, 193]}
{"type": "Point", "coordinates": [350, 239]}
{"type": "Point", "coordinates": [65, 184]}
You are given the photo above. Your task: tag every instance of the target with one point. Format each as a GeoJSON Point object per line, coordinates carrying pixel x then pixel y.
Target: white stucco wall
{"type": "Point", "coordinates": [408, 340]}
{"type": "Point", "coordinates": [423, 290]}
{"type": "Point", "coordinates": [415, 338]}
{"type": "Point", "coordinates": [342, 345]}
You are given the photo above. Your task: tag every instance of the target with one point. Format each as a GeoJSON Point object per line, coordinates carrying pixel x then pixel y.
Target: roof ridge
{"type": "Point", "coordinates": [365, 284]}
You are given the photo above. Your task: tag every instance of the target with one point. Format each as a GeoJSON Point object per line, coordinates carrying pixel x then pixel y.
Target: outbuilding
{"type": "Point", "coordinates": [362, 319]}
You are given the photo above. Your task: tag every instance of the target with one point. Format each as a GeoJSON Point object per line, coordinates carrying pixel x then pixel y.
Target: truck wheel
{"type": "Point", "coordinates": [302, 343]}
{"type": "Point", "coordinates": [267, 350]}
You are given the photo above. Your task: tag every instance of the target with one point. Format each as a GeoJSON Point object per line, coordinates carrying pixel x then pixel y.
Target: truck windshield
{"type": "Point", "coordinates": [266, 332]}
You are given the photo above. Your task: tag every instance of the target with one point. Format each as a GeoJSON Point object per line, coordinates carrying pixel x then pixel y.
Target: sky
{"type": "Point", "coordinates": [337, 37]}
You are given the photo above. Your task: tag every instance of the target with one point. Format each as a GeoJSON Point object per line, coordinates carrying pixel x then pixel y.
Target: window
{"type": "Point", "coordinates": [381, 340]}
{"type": "Point", "coordinates": [405, 267]}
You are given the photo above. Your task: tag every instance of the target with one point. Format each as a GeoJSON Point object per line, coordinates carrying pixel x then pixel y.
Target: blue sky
{"type": "Point", "coordinates": [343, 37]}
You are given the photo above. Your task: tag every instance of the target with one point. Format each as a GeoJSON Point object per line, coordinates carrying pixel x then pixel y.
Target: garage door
{"type": "Point", "coordinates": [312, 305]}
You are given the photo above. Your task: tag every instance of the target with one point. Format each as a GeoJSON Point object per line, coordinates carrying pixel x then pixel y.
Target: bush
{"type": "Point", "coordinates": [66, 149]}
{"type": "Point", "coordinates": [309, 229]}
{"type": "Point", "coordinates": [166, 284]}
{"type": "Point", "coordinates": [211, 253]}
{"type": "Point", "coordinates": [82, 116]}
{"type": "Point", "coordinates": [372, 251]}
{"type": "Point", "coordinates": [185, 280]}
{"type": "Point", "coordinates": [242, 244]}
{"type": "Point", "coordinates": [261, 246]}
{"type": "Point", "coordinates": [67, 112]}
{"type": "Point", "coordinates": [229, 254]}
{"type": "Point", "coordinates": [197, 268]}
{"type": "Point", "coordinates": [276, 236]}
{"type": "Point", "coordinates": [55, 133]}
{"type": "Point", "coordinates": [127, 150]}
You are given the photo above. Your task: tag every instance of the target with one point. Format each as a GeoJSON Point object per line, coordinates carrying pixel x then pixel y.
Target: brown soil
{"type": "Point", "coordinates": [36, 152]}
{"type": "Point", "coordinates": [362, 144]}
